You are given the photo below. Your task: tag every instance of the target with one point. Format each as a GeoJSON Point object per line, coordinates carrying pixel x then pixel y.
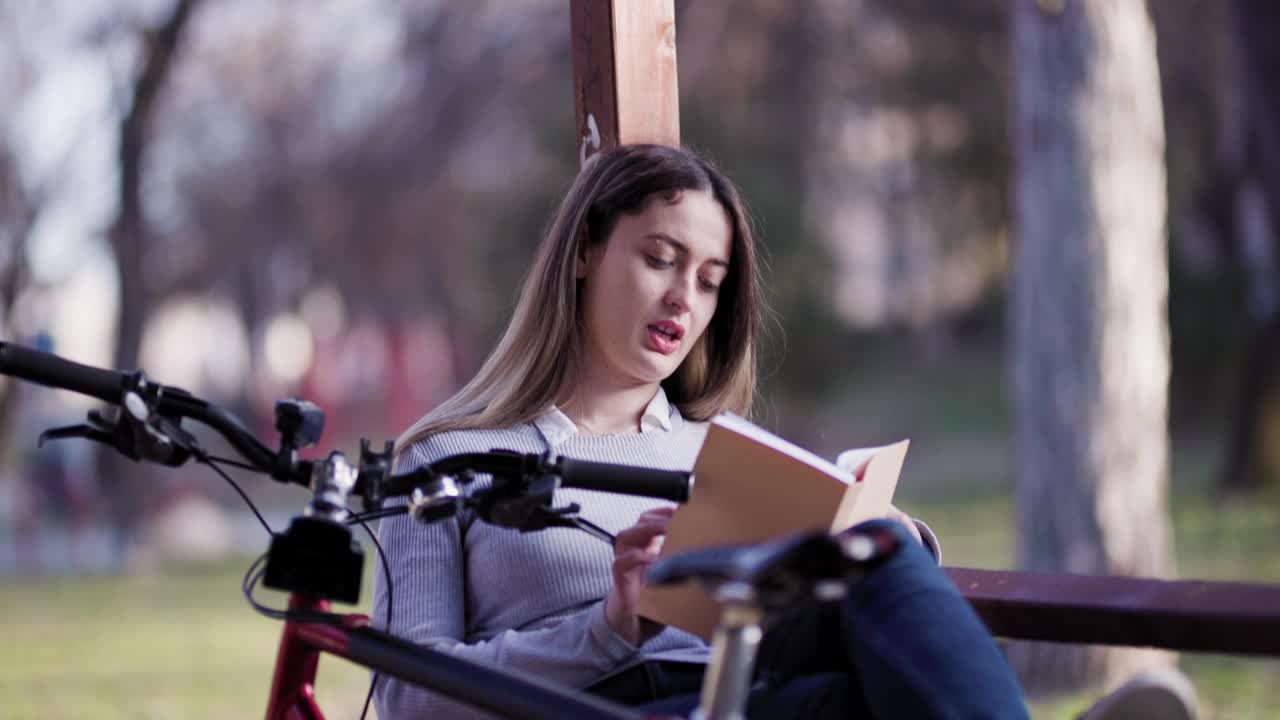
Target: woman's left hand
{"type": "Point", "coordinates": [906, 521]}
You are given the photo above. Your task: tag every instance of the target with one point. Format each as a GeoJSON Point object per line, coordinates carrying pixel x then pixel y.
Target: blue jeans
{"type": "Point", "coordinates": [903, 643]}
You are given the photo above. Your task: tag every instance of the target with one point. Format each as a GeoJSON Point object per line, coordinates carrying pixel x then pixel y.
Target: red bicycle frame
{"type": "Point", "coordinates": [505, 692]}
{"type": "Point", "coordinates": [293, 694]}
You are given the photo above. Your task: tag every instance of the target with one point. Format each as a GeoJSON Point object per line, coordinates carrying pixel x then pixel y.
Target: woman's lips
{"type": "Point", "coordinates": [665, 336]}
{"type": "Point", "coordinates": [662, 342]}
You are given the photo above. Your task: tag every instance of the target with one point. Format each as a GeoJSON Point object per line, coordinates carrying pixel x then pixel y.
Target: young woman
{"type": "Point", "coordinates": [638, 323]}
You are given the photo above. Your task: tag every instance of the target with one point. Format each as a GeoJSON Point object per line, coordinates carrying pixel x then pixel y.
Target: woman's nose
{"type": "Point", "coordinates": [678, 292]}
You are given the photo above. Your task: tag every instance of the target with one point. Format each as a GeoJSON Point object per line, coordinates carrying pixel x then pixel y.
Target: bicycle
{"type": "Point", "coordinates": [318, 561]}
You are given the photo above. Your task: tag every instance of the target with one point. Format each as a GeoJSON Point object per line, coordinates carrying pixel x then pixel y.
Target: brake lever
{"type": "Point", "coordinates": [539, 518]}
{"type": "Point", "coordinates": [83, 431]}
{"type": "Point", "coordinates": [525, 505]}
{"type": "Point", "coordinates": [531, 518]}
{"type": "Point", "coordinates": [100, 428]}
{"type": "Point", "coordinates": [138, 433]}
{"type": "Point", "coordinates": [512, 502]}
{"type": "Point", "coordinates": [570, 519]}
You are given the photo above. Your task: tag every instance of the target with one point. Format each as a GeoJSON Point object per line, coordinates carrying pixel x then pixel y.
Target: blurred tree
{"type": "Point", "coordinates": [129, 238]}
{"type": "Point", "coordinates": [863, 137]}
{"type": "Point", "coordinates": [17, 214]}
{"type": "Point", "coordinates": [1089, 331]}
{"type": "Point", "coordinates": [1225, 261]}
{"type": "Point", "coordinates": [373, 173]}
{"type": "Point", "coordinates": [751, 89]}
{"type": "Point", "coordinates": [1197, 87]}
{"type": "Point", "coordinates": [387, 206]}
{"type": "Point", "coordinates": [20, 202]}
{"type": "Point", "coordinates": [129, 231]}
{"type": "Point", "coordinates": [1249, 163]}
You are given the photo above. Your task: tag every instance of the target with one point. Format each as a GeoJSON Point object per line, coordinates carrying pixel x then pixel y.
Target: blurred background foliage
{"type": "Point", "coordinates": [337, 199]}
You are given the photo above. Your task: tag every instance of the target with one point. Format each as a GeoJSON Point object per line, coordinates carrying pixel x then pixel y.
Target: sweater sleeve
{"type": "Point", "coordinates": [428, 571]}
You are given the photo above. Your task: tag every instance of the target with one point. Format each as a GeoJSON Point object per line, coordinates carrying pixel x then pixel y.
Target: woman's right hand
{"type": "Point", "coordinates": [634, 550]}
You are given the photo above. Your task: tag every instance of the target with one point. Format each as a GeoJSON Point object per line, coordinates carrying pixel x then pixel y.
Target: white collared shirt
{"type": "Point", "coordinates": [556, 427]}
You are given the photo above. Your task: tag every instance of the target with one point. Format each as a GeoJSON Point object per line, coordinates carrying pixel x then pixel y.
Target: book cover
{"type": "Point", "coordinates": [750, 486]}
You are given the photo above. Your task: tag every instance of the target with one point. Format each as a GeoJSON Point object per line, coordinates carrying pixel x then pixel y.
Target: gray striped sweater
{"type": "Point", "coordinates": [528, 601]}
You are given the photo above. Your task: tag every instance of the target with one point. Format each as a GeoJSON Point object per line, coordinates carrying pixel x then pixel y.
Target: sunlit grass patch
{"type": "Point", "coordinates": [179, 644]}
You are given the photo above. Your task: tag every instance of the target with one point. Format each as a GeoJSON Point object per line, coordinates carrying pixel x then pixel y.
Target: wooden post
{"type": "Point", "coordinates": [624, 73]}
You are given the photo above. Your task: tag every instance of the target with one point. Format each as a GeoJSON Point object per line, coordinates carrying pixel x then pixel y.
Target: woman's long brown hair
{"type": "Point", "coordinates": [536, 362]}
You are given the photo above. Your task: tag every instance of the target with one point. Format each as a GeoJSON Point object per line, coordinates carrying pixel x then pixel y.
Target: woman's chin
{"type": "Point", "coordinates": [654, 370]}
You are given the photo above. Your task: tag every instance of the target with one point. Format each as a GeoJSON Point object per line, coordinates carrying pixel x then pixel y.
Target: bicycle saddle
{"type": "Point", "coordinates": [778, 572]}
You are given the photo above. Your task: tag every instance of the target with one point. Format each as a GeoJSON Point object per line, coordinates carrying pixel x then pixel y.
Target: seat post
{"type": "Point", "coordinates": [733, 653]}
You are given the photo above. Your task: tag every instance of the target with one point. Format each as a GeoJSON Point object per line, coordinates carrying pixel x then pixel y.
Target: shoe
{"type": "Point", "coordinates": [1164, 694]}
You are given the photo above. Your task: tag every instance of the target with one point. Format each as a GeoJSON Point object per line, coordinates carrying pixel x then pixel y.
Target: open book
{"type": "Point", "coordinates": [750, 486]}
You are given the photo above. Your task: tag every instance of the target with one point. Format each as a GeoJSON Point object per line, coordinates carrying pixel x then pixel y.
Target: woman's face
{"type": "Point", "coordinates": [651, 289]}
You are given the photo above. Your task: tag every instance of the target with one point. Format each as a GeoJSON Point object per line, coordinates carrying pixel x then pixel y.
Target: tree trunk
{"type": "Point", "coordinates": [128, 239]}
{"type": "Point", "coordinates": [1089, 328]}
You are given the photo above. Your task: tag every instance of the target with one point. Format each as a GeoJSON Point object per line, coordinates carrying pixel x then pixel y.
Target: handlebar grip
{"type": "Point", "coordinates": [49, 369]}
{"type": "Point", "coordinates": [625, 479]}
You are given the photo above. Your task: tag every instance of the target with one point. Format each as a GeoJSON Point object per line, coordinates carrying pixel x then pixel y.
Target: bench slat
{"type": "Point", "coordinates": [1215, 617]}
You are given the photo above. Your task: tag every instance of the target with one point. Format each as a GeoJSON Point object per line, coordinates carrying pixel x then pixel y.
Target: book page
{"type": "Point", "coordinates": [878, 472]}
{"type": "Point", "coordinates": [855, 461]}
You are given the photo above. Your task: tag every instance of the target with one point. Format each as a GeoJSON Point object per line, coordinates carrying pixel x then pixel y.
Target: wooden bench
{"type": "Point", "coordinates": [1200, 616]}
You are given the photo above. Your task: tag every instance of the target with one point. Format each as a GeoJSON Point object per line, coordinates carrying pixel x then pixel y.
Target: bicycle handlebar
{"type": "Point", "coordinates": [316, 557]}
{"type": "Point", "coordinates": [53, 371]}
{"type": "Point", "coordinates": [112, 386]}
{"type": "Point", "coordinates": [671, 485]}
{"type": "Point", "coordinates": [666, 484]}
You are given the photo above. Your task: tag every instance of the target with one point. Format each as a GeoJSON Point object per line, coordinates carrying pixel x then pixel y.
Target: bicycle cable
{"type": "Point", "coordinates": [386, 574]}
{"type": "Point", "coordinates": [255, 572]}
{"type": "Point", "coordinates": [251, 579]}
{"type": "Point", "coordinates": [212, 462]}
{"type": "Point", "coordinates": [233, 462]}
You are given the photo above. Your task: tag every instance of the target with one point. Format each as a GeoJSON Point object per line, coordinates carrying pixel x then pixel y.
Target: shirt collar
{"type": "Point", "coordinates": [657, 414]}
{"type": "Point", "coordinates": [556, 427]}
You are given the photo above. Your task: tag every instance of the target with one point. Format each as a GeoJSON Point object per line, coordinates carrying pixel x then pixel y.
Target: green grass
{"type": "Point", "coordinates": [180, 644]}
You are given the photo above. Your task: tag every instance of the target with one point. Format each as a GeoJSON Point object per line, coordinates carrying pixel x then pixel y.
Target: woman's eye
{"type": "Point", "coordinates": [657, 262]}
{"type": "Point", "coordinates": [707, 285]}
